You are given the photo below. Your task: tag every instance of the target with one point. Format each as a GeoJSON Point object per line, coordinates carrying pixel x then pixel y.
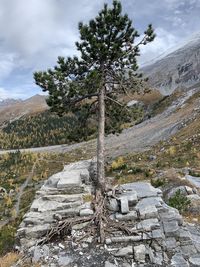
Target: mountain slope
{"type": "Point", "coordinates": [11, 110]}
{"type": "Point", "coordinates": [179, 68]}
{"type": "Point", "coordinates": [143, 136]}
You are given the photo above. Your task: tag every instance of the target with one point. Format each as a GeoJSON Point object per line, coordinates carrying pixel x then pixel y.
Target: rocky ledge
{"type": "Point", "coordinates": [156, 234]}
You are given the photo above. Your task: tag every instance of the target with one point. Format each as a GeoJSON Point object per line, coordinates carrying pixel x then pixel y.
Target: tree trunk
{"type": "Point", "coordinates": [100, 143]}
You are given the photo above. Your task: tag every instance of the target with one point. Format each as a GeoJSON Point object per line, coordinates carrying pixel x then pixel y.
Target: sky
{"type": "Point", "coordinates": [33, 33]}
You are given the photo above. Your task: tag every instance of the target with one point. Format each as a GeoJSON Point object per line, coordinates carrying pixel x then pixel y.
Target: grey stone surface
{"type": "Point", "coordinates": [151, 201]}
{"type": "Point", "coordinates": [131, 196]}
{"type": "Point", "coordinates": [143, 189]}
{"type": "Point", "coordinates": [150, 234]}
{"type": "Point", "coordinates": [69, 179]}
{"type": "Point", "coordinates": [148, 212]}
{"type": "Point", "coordinates": [188, 250]}
{"type": "Point", "coordinates": [86, 212]}
{"type": "Point", "coordinates": [36, 255]}
{"type": "Point", "coordinates": [193, 180]}
{"type": "Point", "coordinates": [113, 205]}
{"type": "Point", "coordinates": [179, 261]}
{"type": "Point", "coordinates": [170, 243]}
{"type": "Point", "coordinates": [131, 216]}
{"type": "Point", "coordinates": [125, 251]}
{"type": "Point", "coordinates": [64, 260]}
{"type": "Point", "coordinates": [37, 231]}
{"type": "Point", "coordinates": [124, 205]}
{"type": "Point", "coordinates": [148, 225]}
{"type": "Point", "coordinates": [85, 176]}
{"type": "Point", "coordinates": [194, 261]}
{"type": "Point", "coordinates": [140, 253]}
{"type": "Point", "coordinates": [109, 264]}
{"type": "Point", "coordinates": [158, 234]}
{"type": "Point", "coordinates": [171, 228]}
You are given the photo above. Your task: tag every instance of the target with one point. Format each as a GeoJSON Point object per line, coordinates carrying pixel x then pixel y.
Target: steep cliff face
{"type": "Point", "coordinates": [177, 69]}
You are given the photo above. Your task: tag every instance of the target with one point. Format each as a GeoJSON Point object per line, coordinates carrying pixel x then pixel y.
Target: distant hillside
{"type": "Point", "coordinates": [29, 123]}
{"type": "Point", "coordinates": [11, 110]}
{"type": "Point", "coordinates": [179, 68]}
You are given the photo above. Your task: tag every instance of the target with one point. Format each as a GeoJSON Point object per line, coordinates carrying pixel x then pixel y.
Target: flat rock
{"type": "Point", "coordinates": [140, 253]}
{"type": "Point", "coordinates": [124, 251]}
{"type": "Point", "coordinates": [158, 234]}
{"type": "Point", "coordinates": [79, 165]}
{"type": "Point", "coordinates": [142, 189]}
{"type": "Point", "coordinates": [64, 198]}
{"type": "Point", "coordinates": [42, 206]}
{"type": "Point", "coordinates": [37, 231]}
{"type": "Point", "coordinates": [188, 250]}
{"type": "Point", "coordinates": [69, 179]}
{"type": "Point", "coordinates": [86, 212]}
{"type": "Point", "coordinates": [148, 225]}
{"type": "Point", "coordinates": [148, 212]}
{"type": "Point", "coordinates": [131, 197]}
{"type": "Point", "coordinates": [131, 216]}
{"type": "Point", "coordinates": [64, 260]}
{"type": "Point", "coordinates": [151, 201]}
{"type": "Point", "coordinates": [109, 264]}
{"type": "Point", "coordinates": [178, 261]}
{"type": "Point", "coordinates": [171, 228]}
{"type": "Point", "coordinates": [194, 261]}
{"type": "Point", "coordinates": [193, 180]}
{"type": "Point", "coordinates": [113, 205]}
{"type": "Point", "coordinates": [170, 243]}
{"type": "Point", "coordinates": [124, 205]}
{"type": "Point", "coordinates": [37, 255]}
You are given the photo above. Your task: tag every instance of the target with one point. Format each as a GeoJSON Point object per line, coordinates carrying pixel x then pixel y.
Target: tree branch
{"type": "Point", "coordinates": [79, 99]}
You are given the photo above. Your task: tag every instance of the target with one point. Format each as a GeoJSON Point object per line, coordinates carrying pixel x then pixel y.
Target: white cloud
{"type": "Point", "coordinates": [17, 94]}
{"type": "Point", "coordinates": [34, 32]}
{"type": "Point", "coordinates": [7, 64]}
{"type": "Point", "coordinates": [163, 42]}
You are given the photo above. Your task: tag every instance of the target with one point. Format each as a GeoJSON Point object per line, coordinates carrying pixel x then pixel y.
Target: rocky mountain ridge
{"type": "Point", "coordinates": [178, 68]}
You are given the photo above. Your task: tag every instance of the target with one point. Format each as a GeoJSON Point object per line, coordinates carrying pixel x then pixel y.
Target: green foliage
{"type": "Point", "coordinates": [7, 239]}
{"type": "Point", "coordinates": [159, 182]}
{"type": "Point", "coordinates": [43, 130]}
{"type": "Point", "coordinates": [179, 201]}
{"type": "Point", "coordinates": [107, 62]}
{"type": "Point", "coordinates": [47, 128]}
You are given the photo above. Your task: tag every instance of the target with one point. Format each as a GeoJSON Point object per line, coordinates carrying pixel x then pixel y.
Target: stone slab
{"type": "Point", "coordinates": [69, 179]}
{"type": "Point", "coordinates": [171, 229]}
{"type": "Point", "coordinates": [131, 216]}
{"type": "Point", "coordinates": [148, 212]}
{"type": "Point", "coordinates": [124, 205]}
{"type": "Point", "coordinates": [140, 253]}
{"type": "Point", "coordinates": [148, 225]}
{"type": "Point", "coordinates": [142, 189]}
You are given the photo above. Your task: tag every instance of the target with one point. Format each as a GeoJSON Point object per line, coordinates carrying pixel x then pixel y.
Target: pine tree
{"type": "Point", "coordinates": [105, 69]}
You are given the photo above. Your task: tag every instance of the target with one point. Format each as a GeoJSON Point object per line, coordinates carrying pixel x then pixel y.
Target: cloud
{"type": "Point", "coordinates": [163, 42]}
{"type": "Point", "coordinates": [16, 93]}
{"type": "Point", "coordinates": [34, 32]}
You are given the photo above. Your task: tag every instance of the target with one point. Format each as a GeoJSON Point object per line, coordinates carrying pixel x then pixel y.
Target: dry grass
{"type": "Point", "coordinates": [148, 98]}
{"type": "Point", "coordinates": [9, 259]}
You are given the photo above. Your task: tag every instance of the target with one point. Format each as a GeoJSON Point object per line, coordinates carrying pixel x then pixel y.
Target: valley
{"type": "Point", "coordinates": [158, 144]}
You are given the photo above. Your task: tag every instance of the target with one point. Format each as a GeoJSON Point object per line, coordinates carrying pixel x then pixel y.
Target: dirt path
{"type": "Point", "coordinates": [142, 136]}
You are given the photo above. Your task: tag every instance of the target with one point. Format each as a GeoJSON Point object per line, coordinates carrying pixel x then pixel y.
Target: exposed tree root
{"type": "Point", "coordinates": [97, 224]}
